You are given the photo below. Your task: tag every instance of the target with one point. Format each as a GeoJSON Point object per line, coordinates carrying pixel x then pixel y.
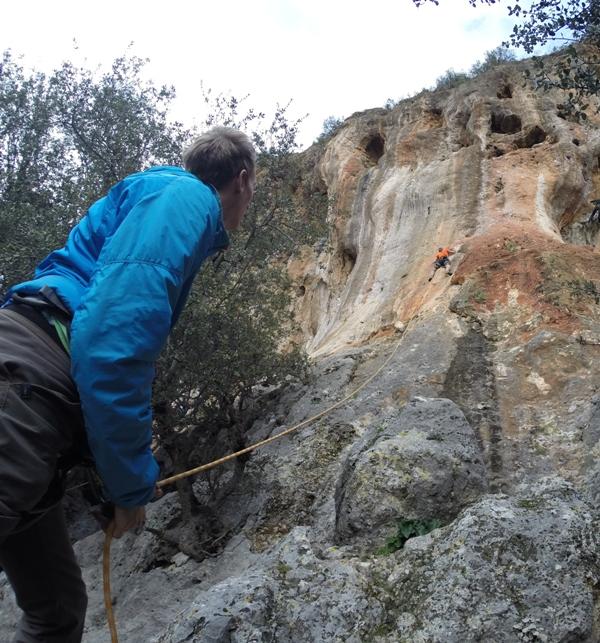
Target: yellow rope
{"type": "Point", "coordinates": [215, 463]}
{"type": "Point", "coordinates": [263, 443]}
{"type": "Point", "coordinates": [110, 617]}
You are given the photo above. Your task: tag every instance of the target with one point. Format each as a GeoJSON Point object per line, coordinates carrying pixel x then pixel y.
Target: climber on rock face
{"type": "Point", "coordinates": [442, 260]}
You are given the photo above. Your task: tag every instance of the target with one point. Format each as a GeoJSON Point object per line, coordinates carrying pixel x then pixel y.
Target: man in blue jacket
{"type": "Point", "coordinates": [118, 284]}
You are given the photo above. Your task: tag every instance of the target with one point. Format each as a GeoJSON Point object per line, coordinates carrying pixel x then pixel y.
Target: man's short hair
{"type": "Point", "coordinates": [219, 155]}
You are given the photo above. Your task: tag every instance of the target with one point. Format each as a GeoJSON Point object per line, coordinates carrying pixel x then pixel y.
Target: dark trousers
{"type": "Point", "coordinates": [41, 567]}
{"type": "Point", "coordinates": [40, 430]}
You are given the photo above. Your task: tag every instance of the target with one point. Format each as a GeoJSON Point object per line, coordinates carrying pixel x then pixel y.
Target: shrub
{"type": "Point", "coordinates": [491, 59]}
{"type": "Point", "coordinates": [330, 126]}
{"type": "Point", "coordinates": [405, 530]}
{"type": "Point", "coordinates": [450, 79]}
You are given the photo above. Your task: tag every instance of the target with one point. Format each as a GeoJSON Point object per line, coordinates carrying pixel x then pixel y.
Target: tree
{"type": "Point", "coordinates": [64, 139]}
{"type": "Point", "coordinates": [35, 170]}
{"type": "Point", "coordinates": [450, 79]}
{"type": "Point", "coordinates": [231, 338]}
{"type": "Point", "coordinates": [330, 125]}
{"type": "Point", "coordinates": [491, 59]}
{"type": "Point", "coordinates": [575, 26]}
{"type": "Point", "coordinates": [114, 122]}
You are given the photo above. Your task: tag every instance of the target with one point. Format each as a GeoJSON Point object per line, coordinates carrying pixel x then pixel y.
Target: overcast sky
{"type": "Point", "coordinates": [331, 57]}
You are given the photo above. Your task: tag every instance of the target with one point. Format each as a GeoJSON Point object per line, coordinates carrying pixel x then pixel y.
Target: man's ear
{"type": "Point", "coordinates": [241, 180]}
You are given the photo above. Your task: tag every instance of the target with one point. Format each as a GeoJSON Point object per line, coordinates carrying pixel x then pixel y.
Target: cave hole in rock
{"type": "Point", "coordinates": [533, 136]}
{"type": "Point", "coordinates": [505, 123]}
{"type": "Point", "coordinates": [504, 92]}
{"type": "Point", "coordinates": [495, 151]}
{"type": "Point", "coordinates": [436, 115]}
{"type": "Point", "coordinates": [374, 147]}
{"type": "Point", "coordinates": [348, 260]}
{"type": "Point", "coordinates": [576, 141]}
{"type": "Point", "coordinates": [301, 291]}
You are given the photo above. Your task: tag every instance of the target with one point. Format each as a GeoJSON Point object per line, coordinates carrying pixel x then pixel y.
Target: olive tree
{"type": "Point", "coordinates": [232, 338]}
{"type": "Point", "coordinates": [65, 138]}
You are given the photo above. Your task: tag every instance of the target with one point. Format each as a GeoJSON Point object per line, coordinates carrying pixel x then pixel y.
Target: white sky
{"type": "Point", "coordinates": [331, 57]}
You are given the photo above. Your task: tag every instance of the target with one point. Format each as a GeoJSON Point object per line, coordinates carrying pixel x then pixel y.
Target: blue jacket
{"type": "Point", "coordinates": [125, 273]}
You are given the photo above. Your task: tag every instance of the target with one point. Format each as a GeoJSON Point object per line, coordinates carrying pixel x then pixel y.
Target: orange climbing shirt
{"type": "Point", "coordinates": [442, 254]}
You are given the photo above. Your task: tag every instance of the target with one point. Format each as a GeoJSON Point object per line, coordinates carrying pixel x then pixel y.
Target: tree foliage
{"type": "Point", "coordinates": [575, 27]}
{"type": "Point", "coordinates": [450, 79]}
{"type": "Point", "coordinates": [330, 126]}
{"type": "Point", "coordinates": [556, 21]}
{"type": "Point", "coordinates": [491, 59]}
{"type": "Point", "coordinates": [473, 3]}
{"type": "Point", "coordinates": [230, 337]}
{"type": "Point", "coordinates": [66, 137]}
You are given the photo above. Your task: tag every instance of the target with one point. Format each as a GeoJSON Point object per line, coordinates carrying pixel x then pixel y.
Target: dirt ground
{"type": "Point", "coordinates": [558, 280]}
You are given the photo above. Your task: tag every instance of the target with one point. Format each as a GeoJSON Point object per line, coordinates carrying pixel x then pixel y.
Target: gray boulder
{"type": "Point", "coordinates": [296, 594]}
{"type": "Point", "coordinates": [509, 570]}
{"type": "Point", "coordinates": [424, 463]}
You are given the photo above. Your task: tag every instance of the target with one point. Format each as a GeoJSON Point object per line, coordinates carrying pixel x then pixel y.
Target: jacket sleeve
{"type": "Point", "coordinates": [122, 324]}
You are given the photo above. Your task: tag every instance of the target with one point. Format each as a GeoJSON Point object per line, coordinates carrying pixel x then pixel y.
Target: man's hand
{"type": "Point", "coordinates": [127, 518]}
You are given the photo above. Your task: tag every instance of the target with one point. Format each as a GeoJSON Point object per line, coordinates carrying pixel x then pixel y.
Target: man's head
{"type": "Point", "coordinates": [225, 158]}
{"type": "Point", "coordinates": [440, 249]}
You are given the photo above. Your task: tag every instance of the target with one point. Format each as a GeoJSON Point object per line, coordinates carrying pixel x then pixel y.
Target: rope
{"type": "Point", "coordinates": [215, 463]}
{"type": "Point", "coordinates": [110, 617]}
{"type": "Point", "coordinates": [262, 443]}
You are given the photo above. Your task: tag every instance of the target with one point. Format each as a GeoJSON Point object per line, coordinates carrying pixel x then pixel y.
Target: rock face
{"type": "Point", "coordinates": [473, 409]}
{"type": "Point", "coordinates": [489, 157]}
{"type": "Point", "coordinates": [424, 464]}
{"type": "Point", "coordinates": [509, 569]}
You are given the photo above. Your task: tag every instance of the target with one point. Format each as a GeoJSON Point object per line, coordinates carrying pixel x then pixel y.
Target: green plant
{"type": "Point", "coordinates": [582, 289]}
{"type": "Point", "coordinates": [381, 427]}
{"type": "Point", "coordinates": [65, 138]}
{"type": "Point", "coordinates": [561, 287]}
{"type": "Point", "coordinates": [283, 568]}
{"type": "Point", "coordinates": [330, 126]}
{"type": "Point", "coordinates": [511, 246]}
{"type": "Point", "coordinates": [491, 59]}
{"type": "Point", "coordinates": [232, 338]}
{"type": "Point", "coordinates": [530, 503]}
{"type": "Point", "coordinates": [480, 297]}
{"type": "Point", "coordinates": [575, 27]}
{"type": "Point", "coordinates": [405, 530]}
{"type": "Point", "coordinates": [450, 79]}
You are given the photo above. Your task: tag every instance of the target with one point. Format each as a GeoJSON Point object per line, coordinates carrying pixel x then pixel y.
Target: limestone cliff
{"type": "Point", "coordinates": [483, 427]}
{"type": "Point", "coordinates": [491, 158]}
{"type": "Point", "coordinates": [502, 174]}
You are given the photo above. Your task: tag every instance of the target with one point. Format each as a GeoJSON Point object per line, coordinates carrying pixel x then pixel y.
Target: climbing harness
{"type": "Point", "coordinates": [62, 330]}
{"type": "Point", "coordinates": [210, 465]}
